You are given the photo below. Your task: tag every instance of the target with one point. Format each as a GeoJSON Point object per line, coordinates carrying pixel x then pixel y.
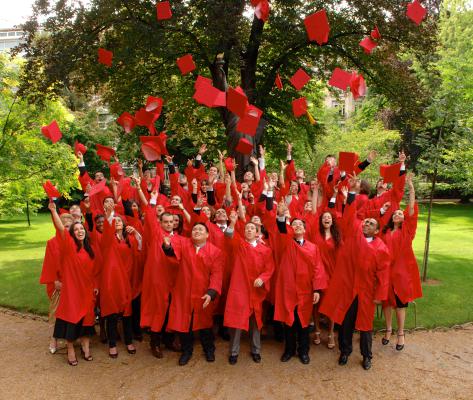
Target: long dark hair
{"type": "Point", "coordinates": [390, 225]}
{"type": "Point", "coordinates": [333, 230]}
{"type": "Point", "coordinates": [124, 232]}
{"type": "Point", "coordinates": [180, 225]}
{"type": "Point", "coordinates": [85, 243]}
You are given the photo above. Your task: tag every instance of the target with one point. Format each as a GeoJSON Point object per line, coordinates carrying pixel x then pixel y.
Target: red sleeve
{"type": "Point", "coordinates": [216, 271]}
{"type": "Point", "coordinates": [290, 171]}
{"type": "Point", "coordinates": [319, 277]}
{"type": "Point", "coordinates": [382, 273]}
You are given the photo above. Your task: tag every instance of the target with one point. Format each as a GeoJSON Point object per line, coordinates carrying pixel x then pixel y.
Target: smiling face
{"type": "Point", "coordinates": [245, 188]}
{"type": "Point", "coordinates": [175, 201]}
{"type": "Point", "coordinates": [206, 211]}
{"type": "Point", "coordinates": [118, 224]}
{"type": "Point", "coordinates": [79, 232]}
{"type": "Point", "coordinates": [327, 220]}
{"type": "Point", "coordinates": [250, 232]}
{"type": "Point", "coordinates": [199, 234]}
{"type": "Point", "coordinates": [99, 224]}
{"type": "Point", "coordinates": [75, 211]}
{"type": "Point", "coordinates": [381, 187]}
{"type": "Point", "coordinates": [300, 175]}
{"type": "Point", "coordinates": [99, 177]}
{"type": "Point", "coordinates": [370, 227]}
{"type": "Point", "coordinates": [159, 209]}
{"type": "Point", "coordinates": [109, 202]}
{"type": "Point", "coordinates": [299, 228]}
{"type": "Point", "coordinates": [294, 188]}
{"type": "Point", "coordinates": [308, 206]}
{"type": "Point", "coordinates": [256, 220]}
{"type": "Point", "coordinates": [213, 171]}
{"type": "Point", "coordinates": [248, 177]}
{"type": "Point", "coordinates": [221, 216]}
{"type": "Point", "coordinates": [398, 217]}
{"type": "Point", "coordinates": [167, 222]}
{"type": "Point", "coordinates": [135, 208]}
{"type": "Point", "coordinates": [175, 222]}
{"type": "Point", "coordinates": [203, 186]}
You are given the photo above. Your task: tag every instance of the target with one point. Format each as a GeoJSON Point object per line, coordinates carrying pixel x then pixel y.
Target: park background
{"type": "Point", "coordinates": [420, 100]}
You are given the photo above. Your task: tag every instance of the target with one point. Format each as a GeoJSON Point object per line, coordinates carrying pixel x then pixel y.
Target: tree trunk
{"type": "Point", "coordinates": [28, 212]}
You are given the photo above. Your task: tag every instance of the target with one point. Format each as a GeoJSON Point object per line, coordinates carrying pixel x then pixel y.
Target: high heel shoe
{"type": "Point", "coordinates": [86, 358]}
{"type": "Point", "coordinates": [331, 342]}
{"type": "Point", "coordinates": [400, 347]}
{"type": "Point", "coordinates": [73, 363]}
{"type": "Point", "coordinates": [317, 338]}
{"type": "Point", "coordinates": [112, 355]}
{"type": "Point", "coordinates": [384, 340]}
{"type": "Point", "coordinates": [131, 351]}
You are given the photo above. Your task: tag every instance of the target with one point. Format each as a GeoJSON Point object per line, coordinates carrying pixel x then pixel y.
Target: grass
{"type": "Point", "coordinates": [447, 303]}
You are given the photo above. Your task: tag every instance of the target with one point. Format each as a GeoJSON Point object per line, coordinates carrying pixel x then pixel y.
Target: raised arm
{"type": "Point", "coordinates": [141, 195]}
{"type": "Point", "coordinates": [412, 194]}
{"type": "Point", "coordinates": [220, 165]}
{"type": "Point", "coordinates": [56, 220]}
{"type": "Point", "coordinates": [254, 161]}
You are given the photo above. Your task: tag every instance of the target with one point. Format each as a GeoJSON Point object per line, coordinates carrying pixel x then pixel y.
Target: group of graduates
{"type": "Point", "coordinates": [218, 253]}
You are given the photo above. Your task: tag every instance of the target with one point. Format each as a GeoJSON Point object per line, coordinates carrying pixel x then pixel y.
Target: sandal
{"type": "Point", "coordinates": [111, 355]}
{"type": "Point", "coordinates": [131, 351]}
{"type": "Point", "coordinates": [331, 342]}
{"type": "Point", "coordinates": [86, 358]}
{"type": "Point", "coordinates": [385, 340]}
{"type": "Point", "coordinates": [399, 347]}
{"type": "Point", "coordinates": [317, 338]}
{"type": "Point", "coordinates": [73, 363]}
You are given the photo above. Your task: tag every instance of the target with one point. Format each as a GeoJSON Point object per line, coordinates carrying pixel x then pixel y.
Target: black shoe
{"type": "Point", "coordinates": [385, 341]}
{"type": "Point", "coordinates": [256, 357]}
{"type": "Point", "coordinates": [343, 359]}
{"type": "Point", "coordinates": [232, 360]}
{"type": "Point", "coordinates": [210, 356]}
{"type": "Point", "coordinates": [184, 358]}
{"type": "Point", "coordinates": [366, 363]}
{"type": "Point", "coordinates": [400, 347]}
{"type": "Point", "coordinates": [305, 359]}
{"type": "Point", "coordinates": [286, 357]}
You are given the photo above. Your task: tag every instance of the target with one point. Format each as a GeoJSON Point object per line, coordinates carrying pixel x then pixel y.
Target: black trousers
{"type": "Point", "coordinates": [112, 332]}
{"type": "Point", "coordinates": [296, 336]}
{"type": "Point", "coordinates": [345, 333]}
{"type": "Point", "coordinates": [135, 316]}
{"type": "Point", "coordinates": [167, 338]}
{"type": "Point", "coordinates": [206, 339]}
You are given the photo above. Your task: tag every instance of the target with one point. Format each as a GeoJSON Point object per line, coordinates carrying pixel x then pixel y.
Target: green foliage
{"type": "Point", "coordinates": [26, 158]}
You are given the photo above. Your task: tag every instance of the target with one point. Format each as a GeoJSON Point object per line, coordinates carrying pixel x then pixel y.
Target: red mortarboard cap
{"type": "Point", "coordinates": [317, 27]}
{"type": "Point", "coordinates": [237, 102]}
{"type": "Point", "coordinates": [208, 95]}
{"type": "Point", "coordinates": [163, 10]}
{"type": "Point", "coordinates": [153, 146]}
{"type": "Point", "coordinates": [104, 152]}
{"type": "Point", "coordinates": [368, 44]}
{"type": "Point", "coordinates": [79, 147]}
{"type": "Point", "coordinates": [262, 10]}
{"type": "Point", "coordinates": [357, 85]}
{"type": "Point", "coordinates": [244, 146]}
{"type": "Point", "coordinates": [51, 190]}
{"type": "Point", "coordinates": [390, 172]}
{"type": "Point", "coordinates": [116, 171]}
{"type": "Point", "coordinates": [249, 123]}
{"type": "Point", "coordinates": [186, 64]}
{"type": "Point", "coordinates": [254, 3]}
{"type": "Point", "coordinates": [347, 161]}
{"type": "Point", "coordinates": [97, 188]}
{"type": "Point", "coordinates": [63, 211]}
{"type": "Point", "coordinates": [229, 164]}
{"type": "Point", "coordinates": [278, 81]}
{"type": "Point", "coordinates": [105, 57]}
{"type": "Point", "coordinates": [154, 105]}
{"type": "Point", "coordinates": [416, 12]}
{"type": "Point", "coordinates": [340, 79]}
{"type": "Point", "coordinates": [375, 34]}
{"type": "Point", "coordinates": [299, 107]}
{"type": "Point", "coordinates": [52, 131]}
{"type": "Point", "coordinates": [299, 79]}
{"type": "Point", "coordinates": [147, 119]}
{"type": "Point", "coordinates": [127, 121]}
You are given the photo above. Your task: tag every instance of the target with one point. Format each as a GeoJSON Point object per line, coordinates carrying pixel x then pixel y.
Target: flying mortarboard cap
{"type": "Point", "coordinates": [79, 147]}
{"type": "Point", "coordinates": [368, 44]}
{"type": "Point", "coordinates": [52, 131]}
{"type": "Point", "coordinates": [163, 10]}
{"type": "Point", "coordinates": [244, 146]}
{"type": "Point", "coordinates": [340, 79]}
{"type": "Point", "coordinates": [390, 173]}
{"type": "Point", "coordinates": [208, 95]}
{"type": "Point", "coordinates": [229, 164]}
{"type": "Point", "coordinates": [154, 105]}
{"type": "Point", "coordinates": [97, 188]}
{"type": "Point", "coordinates": [104, 152]}
{"type": "Point", "coordinates": [249, 122]}
{"type": "Point", "coordinates": [317, 27]}
{"type": "Point", "coordinates": [299, 79]}
{"type": "Point", "coordinates": [347, 161]}
{"type": "Point", "coordinates": [153, 147]}
{"type": "Point", "coordinates": [357, 85]}
{"type": "Point", "coordinates": [278, 81]}
{"type": "Point", "coordinates": [299, 107]}
{"type": "Point", "coordinates": [262, 10]}
{"type": "Point", "coordinates": [237, 101]}
{"type": "Point", "coordinates": [116, 171]}
{"type": "Point", "coordinates": [186, 64]}
{"type": "Point", "coordinates": [51, 190]}
{"type": "Point", "coordinates": [127, 121]}
{"type": "Point", "coordinates": [416, 12]}
{"type": "Point", "coordinates": [147, 119]}
{"type": "Point", "coordinates": [375, 34]}
{"type": "Point", "coordinates": [105, 57]}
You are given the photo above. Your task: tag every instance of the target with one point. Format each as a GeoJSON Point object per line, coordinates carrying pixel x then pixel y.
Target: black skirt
{"type": "Point", "coordinates": [69, 331]}
{"type": "Point", "coordinates": [399, 303]}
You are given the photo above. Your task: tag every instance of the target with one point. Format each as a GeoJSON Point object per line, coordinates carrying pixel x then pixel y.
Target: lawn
{"type": "Point", "coordinates": [446, 303]}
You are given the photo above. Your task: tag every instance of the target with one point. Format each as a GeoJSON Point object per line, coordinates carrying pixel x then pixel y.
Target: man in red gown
{"type": "Point", "coordinates": [359, 282]}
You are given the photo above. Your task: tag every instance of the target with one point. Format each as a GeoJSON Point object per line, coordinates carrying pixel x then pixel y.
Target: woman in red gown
{"type": "Point", "coordinates": [75, 312]}
{"type": "Point", "coordinates": [404, 280]}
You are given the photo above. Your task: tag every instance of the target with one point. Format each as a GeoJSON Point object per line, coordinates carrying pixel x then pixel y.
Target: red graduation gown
{"type": "Point", "coordinates": [404, 272]}
{"type": "Point", "coordinates": [115, 287]}
{"type": "Point", "coordinates": [196, 273]}
{"type": "Point", "coordinates": [300, 273]}
{"type": "Point", "coordinates": [362, 270]}
{"type": "Point", "coordinates": [51, 265]}
{"type": "Point", "coordinates": [78, 272]}
{"type": "Point", "coordinates": [159, 275]}
{"type": "Point", "coordinates": [243, 299]}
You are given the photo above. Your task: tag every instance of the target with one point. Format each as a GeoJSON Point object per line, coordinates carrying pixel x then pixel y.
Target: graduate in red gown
{"type": "Point", "coordinates": [252, 268]}
{"type": "Point", "coordinates": [359, 282]}
{"type": "Point", "coordinates": [198, 281]}
{"type": "Point", "coordinates": [50, 275]}
{"type": "Point", "coordinates": [75, 312]}
{"type": "Point", "coordinates": [300, 278]}
{"type": "Point", "coordinates": [120, 244]}
{"type": "Point", "coordinates": [404, 282]}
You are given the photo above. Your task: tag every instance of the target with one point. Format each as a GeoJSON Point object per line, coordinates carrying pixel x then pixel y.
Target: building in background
{"type": "Point", "coordinates": [10, 38]}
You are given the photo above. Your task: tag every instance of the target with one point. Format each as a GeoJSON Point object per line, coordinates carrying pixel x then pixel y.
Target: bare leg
{"type": "Point", "coordinates": [331, 335]}
{"type": "Point", "coordinates": [401, 318]}
{"type": "Point", "coordinates": [85, 344]}
{"type": "Point", "coordinates": [388, 316]}
{"type": "Point", "coordinates": [316, 316]}
{"type": "Point", "coordinates": [71, 354]}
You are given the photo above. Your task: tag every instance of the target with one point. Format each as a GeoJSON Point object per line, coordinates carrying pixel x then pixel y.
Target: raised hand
{"type": "Point", "coordinates": [289, 147]}
{"type": "Point", "coordinates": [386, 206]}
{"type": "Point", "coordinates": [258, 282]}
{"type": "Point", "coordinates": [140, 163]}
{"type": "Point", "coordinates": [169, 159]}
{"type": "Point", "coordinates": [372, 156]}
{"type": "Point", "coordinates": [86, 203]}
{"type": "Point", "coordinates": [254, 161]}
{"type": "Point", "coordinates": [202, 149]}
{"type": "Point", "coordinates": [137, 180]}
{"type": "Point", "coordinates": [233, 217]}
{"type": "Point", "coordinates": [129, 229]}
{"type": "Point", "coordinates": [52, 206]}
{"type": "Point", "coordinates": [189, 163]}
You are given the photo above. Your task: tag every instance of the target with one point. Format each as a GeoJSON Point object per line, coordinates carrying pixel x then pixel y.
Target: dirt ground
{"type": "Point", "coordinates": [434, 365]}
